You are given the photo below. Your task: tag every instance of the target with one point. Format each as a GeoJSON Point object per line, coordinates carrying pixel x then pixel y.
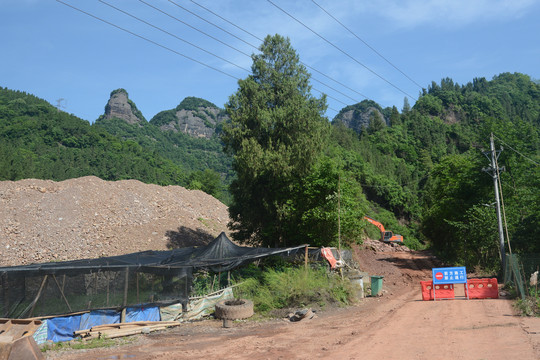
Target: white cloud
{"type": "Point", "coordinates": [450, 13]}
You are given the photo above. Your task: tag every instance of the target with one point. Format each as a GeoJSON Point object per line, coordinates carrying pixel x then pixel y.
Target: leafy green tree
{"type": "Point", "coordinates": [406, 105]}
{"type": "Point", "coordinates": [376, 122]}
{"type": "Point", "coordinates": [456, 190]}
{"type": "Point", "coordinates": [208, 181]}
{"type": "Point", "coordinates": [275, 135]}
{"type": "Point", "coordinates": [329, 202]}
{"type": "Point", "coordinates": [395, 118]}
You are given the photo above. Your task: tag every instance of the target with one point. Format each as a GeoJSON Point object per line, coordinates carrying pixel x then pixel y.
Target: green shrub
{"type": "Point", "coordinates": [295, 287]}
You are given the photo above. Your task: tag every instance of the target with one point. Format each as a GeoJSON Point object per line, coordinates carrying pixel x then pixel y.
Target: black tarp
{"type": "Point", "coordinates": [220, 255]}
{"type": "Point", "coordinates": [146, 277]}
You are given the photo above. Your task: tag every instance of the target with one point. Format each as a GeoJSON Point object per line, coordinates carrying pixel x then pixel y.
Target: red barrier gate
{"type": "Point", "coordinates": [483, 288]}
{"type": "Point", "coordinates": [445, 291]}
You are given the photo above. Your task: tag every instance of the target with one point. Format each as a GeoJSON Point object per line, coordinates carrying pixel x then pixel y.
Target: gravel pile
{"type": "Point", "coordinates": [43, 220]}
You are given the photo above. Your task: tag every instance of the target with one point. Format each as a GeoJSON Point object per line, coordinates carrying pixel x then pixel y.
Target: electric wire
{"type": "Point", "coordinates": [365, 43]}
{"type": "Point", "coordinates": [341, 50]}
{"type": "Point", "coordinates": [242, 52]}
{"type": "Point", "coordinates": [193, 27]}
{"type": "Point", "coordinates": [173, 35]}
{"type": "Point", "coordinates": [499, 184]}
{"type": "Point", "coordinates": [148, 40]}
{"type": "Point", "coordinates": [511, 148]}
{"type": "Point", "coordinates": [229, 22]}
{"type": "Point", "coordinates": [168, 48]}
{"type": "Point", "coordinates": [261, 40]}
{"type": "Point", "coordinates": [209, 22]}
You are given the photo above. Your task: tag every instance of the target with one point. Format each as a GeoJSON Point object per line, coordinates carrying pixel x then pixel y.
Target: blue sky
{"type": "Point", "coordinates": [55, 52]}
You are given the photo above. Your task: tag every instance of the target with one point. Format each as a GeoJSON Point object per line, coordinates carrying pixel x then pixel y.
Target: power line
{"type": "Point", "coordinates": [341, 50]}
{"type": "Point", "coordinates": [193, 27]}
{"type": "Point", "coordinates": [148, 40]}
{"type": "Point", "coordinates": [209, 22]}
{"type": "Point", "coordinates": [230, 22]}
{"type": "Point", "coordinates": [167, 48]}
{"type": "Point", "coordinates": [365, 43]}
{"type": "Point", "coordinates": [261, 40]}
{"type": "Point", "coordinates": [511, 148]}
{"type": "Point", "coordinates": [241, 52]}
{"type": "Point", "coordinates": [173, 35]}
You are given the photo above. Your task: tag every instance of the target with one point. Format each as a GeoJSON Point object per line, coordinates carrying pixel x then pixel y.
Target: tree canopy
{"type": "Point", "coordinates": [276, 134]}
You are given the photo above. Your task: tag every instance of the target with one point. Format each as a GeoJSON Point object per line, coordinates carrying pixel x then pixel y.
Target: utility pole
{"type": "Point", "coordinates": [493, 170]}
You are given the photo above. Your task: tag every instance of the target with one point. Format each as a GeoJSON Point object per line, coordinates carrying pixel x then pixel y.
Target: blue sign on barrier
{"type": "Point", "coordinates": [449, 275]}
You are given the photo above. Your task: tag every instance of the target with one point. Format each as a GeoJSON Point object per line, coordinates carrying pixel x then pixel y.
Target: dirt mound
{"type": "Point", "coordinates": [43, 220]}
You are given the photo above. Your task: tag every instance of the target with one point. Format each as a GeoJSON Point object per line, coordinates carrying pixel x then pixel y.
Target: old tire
{"type": "Point", "coordinates": [234, 309]}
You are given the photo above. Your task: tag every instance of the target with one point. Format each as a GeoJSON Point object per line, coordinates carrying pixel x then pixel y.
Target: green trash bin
{"type": "Point", "coordinates": [376, 285]}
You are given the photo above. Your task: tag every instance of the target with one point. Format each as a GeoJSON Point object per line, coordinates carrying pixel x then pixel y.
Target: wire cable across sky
{"type": "Point", "coordinates": [342, 51]}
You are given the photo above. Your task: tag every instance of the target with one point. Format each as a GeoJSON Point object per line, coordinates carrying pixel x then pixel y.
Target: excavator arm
{"type": "Point", "coordinates": [386, 236]}
{"type": "Point", "coordinates": [376, 223]}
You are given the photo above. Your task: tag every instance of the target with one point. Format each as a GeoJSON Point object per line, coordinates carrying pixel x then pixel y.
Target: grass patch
{"type": "Point", "coordinates": [288, 287]}
{"type": "Point", "coordinates": [86, 344]}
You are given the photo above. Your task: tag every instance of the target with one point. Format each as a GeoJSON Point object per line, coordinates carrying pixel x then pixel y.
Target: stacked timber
{"type": "Point", "coordinates": [124, 329]}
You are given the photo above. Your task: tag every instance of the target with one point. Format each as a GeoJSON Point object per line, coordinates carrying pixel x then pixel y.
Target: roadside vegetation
{"type": "Point", "coordinates": [295, 287]}
{"type": "Point", "coordinates": [275, 285]}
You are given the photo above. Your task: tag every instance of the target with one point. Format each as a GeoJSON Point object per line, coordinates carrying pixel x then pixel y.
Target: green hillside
{"type": "Point", "coordinates": [39, 141]}
{"type": "Point", "coordinates": [425, 170]}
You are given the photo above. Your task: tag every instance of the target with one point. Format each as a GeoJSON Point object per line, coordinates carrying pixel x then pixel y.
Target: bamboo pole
{"type": "Point", "coordinates": [38, 294]}
{"type": "Point", "coordinates": [137, 281]}
{"type": "Point", "coordinates": [306, 258]}
{"type": "Point", "coordinates": [108, 280]}
{"type": "Point", "coordinates": [126, 286]}
{"type": "Point", "coordinates": [62, 292]}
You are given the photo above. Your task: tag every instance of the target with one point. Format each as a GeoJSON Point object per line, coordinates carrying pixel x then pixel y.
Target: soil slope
{"type": "Point", "coordinates": [43, 220]}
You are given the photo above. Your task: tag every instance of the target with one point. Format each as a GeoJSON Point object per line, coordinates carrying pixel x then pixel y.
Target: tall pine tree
{"type": "Point", "coordinates": [275, 135]}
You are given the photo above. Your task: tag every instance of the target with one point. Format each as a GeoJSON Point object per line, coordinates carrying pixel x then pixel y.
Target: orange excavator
{"type": "Point", "coordinates": [386, 236]}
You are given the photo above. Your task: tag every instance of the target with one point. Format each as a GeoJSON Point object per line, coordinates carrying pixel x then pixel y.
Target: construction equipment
{"type": "Point", "coordinates": [386, 236]}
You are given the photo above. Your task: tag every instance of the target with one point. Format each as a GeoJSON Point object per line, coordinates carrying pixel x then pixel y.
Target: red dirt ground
{"type": "Point", "coordinates": [397, 325]}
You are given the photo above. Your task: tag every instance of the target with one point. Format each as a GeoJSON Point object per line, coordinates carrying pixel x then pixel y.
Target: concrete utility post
{"type": "Point", "coordinates": [493, 170]}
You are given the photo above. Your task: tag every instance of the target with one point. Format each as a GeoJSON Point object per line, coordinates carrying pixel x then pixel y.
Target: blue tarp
{"type": "Point", "coordinates": [62, 328]}
{"type": "Point", "coordinates": [141, 313]}
{"type": "Point", "coordinates": [99, 317]}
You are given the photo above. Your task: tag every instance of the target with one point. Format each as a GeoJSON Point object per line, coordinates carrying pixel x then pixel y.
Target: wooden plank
{"type": "Point", "coordinates": [125, 329]}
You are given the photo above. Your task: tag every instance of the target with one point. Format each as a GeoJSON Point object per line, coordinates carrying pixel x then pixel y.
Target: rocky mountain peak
{"type": "Point", "coordinates": [358, 116]}
{"type": "Point", "coordinates": [121, 107]}
{"type": "Point", "coordinates": [193, 116]}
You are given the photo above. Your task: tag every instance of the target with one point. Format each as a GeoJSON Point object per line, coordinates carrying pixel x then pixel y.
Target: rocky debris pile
{"type": "Point", "coordinates": [379, 246]}
{"type": "Point", "coordinates": [43, 220]}
{"type": "Point", "coordinates": [304, 314]}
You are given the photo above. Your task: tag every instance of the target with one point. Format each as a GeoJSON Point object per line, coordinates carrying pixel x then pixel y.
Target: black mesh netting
{"type": "Point", "coordinates": [148, 277]}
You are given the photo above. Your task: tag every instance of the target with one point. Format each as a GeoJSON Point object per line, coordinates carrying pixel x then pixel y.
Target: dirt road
{"type": "Point", "coordinates": [398, 325]}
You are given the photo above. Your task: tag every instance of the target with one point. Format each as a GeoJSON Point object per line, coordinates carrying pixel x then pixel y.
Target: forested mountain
{"type": "Point", "coordinates": [418, 171]}
{"type": "Point", "coordinates": [39, 141]}
{"type": "Point", "coordinates": [425, 166]}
